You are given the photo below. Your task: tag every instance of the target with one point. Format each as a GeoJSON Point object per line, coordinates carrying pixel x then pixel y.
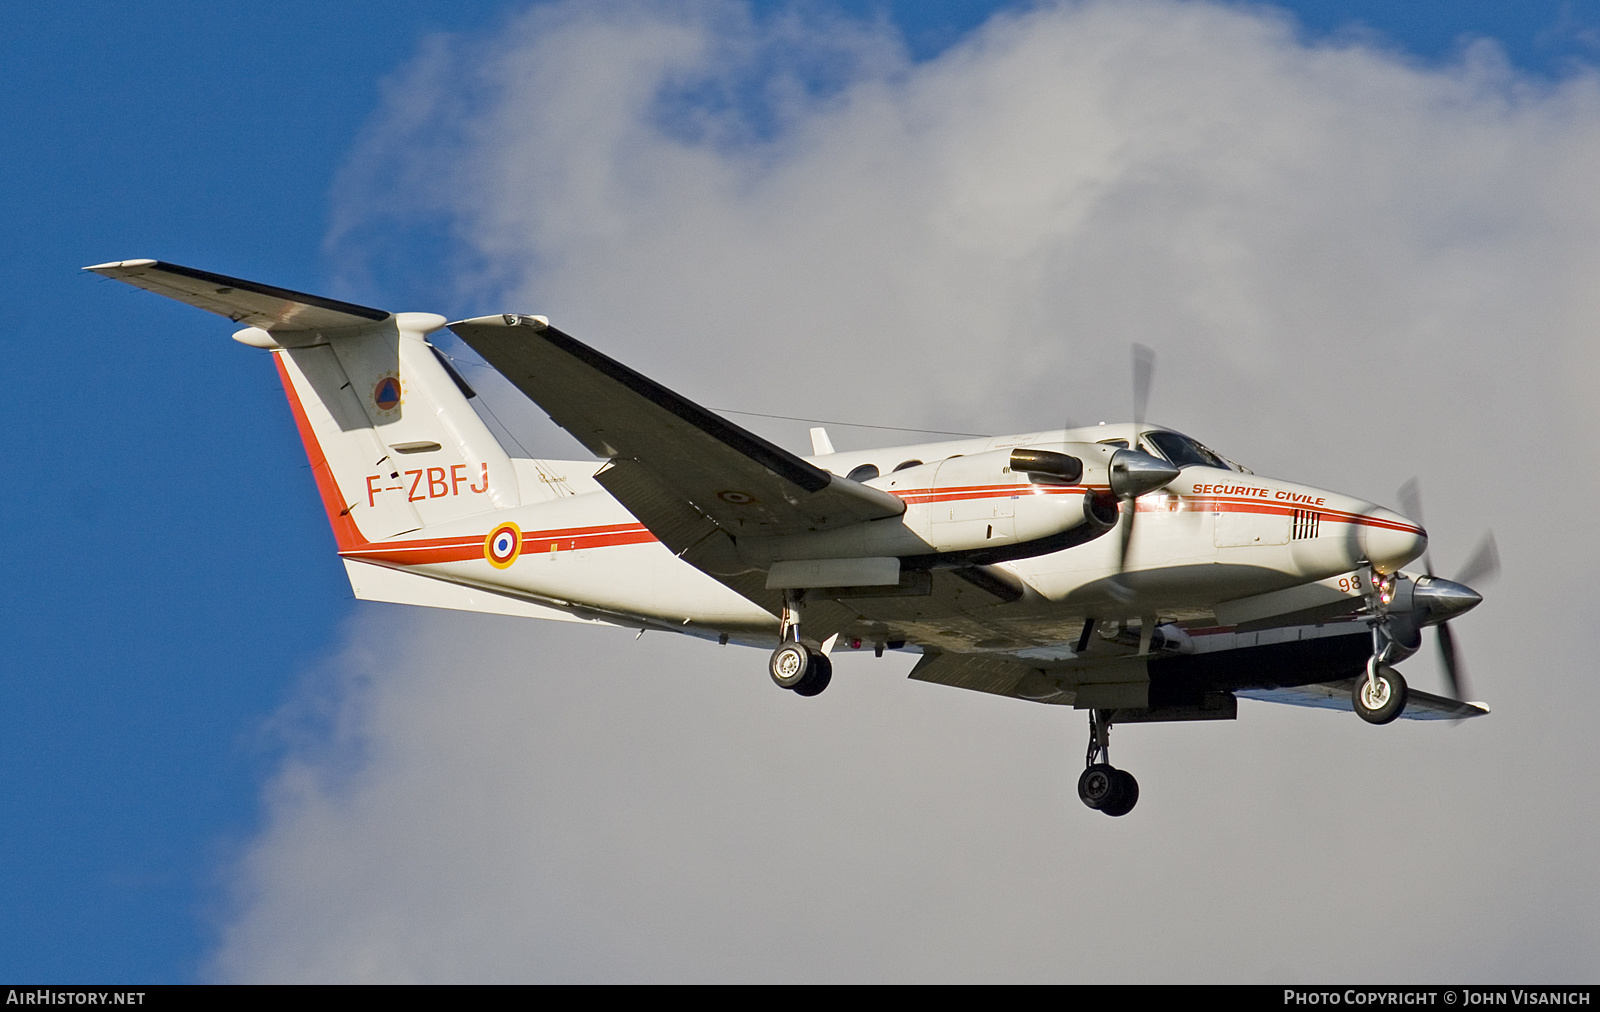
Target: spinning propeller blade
{"type": "Point", "coordinates": [1484, 565]}
{"type": "Point", "coordinates": [1453, 675]}
{"type": "Point", "coordinates": [1144, 371]}
{"type": "Point", "coordinates": [1134, 472]}
{"type": "Point", "coordinates": [1125, 525]}
{"type": "Point", "coordinates": [1410, 496]}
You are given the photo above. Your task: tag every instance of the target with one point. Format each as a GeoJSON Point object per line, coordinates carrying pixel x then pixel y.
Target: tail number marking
{"type": "Point", "coordinates": [431, 483]}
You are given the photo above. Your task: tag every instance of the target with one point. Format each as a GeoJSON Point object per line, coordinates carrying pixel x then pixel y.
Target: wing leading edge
{"type": "Point", "coordinates": [674, 464]}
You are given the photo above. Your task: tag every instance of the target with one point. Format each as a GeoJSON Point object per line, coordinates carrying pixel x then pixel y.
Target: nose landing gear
{"type": "Point", "coordinates": [1380, 696]}
{"type": "Point", "coordinates": [1102, 786]}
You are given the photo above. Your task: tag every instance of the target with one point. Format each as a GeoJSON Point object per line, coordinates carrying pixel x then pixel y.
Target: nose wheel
{"type": "Point", "coordinates": [1381, 696]}
{"type": "Point", "coordinates": [1102, 786]}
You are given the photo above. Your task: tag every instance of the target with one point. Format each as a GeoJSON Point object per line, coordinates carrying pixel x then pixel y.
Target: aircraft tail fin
{"type": "Point", "coordinates": [393, 443]}
{"type": "Point", "coordinates": [401, 447]}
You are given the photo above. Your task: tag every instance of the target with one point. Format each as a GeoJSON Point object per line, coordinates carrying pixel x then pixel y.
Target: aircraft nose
{"type": "Point", "coordinates": [1389, 540]}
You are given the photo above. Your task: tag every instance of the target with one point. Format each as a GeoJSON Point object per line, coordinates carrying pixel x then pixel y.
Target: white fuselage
{"type": "Point", "coordinates": [1213, 535]}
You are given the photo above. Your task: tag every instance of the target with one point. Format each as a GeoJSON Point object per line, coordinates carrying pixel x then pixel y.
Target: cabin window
{"type": "Point", "coordinates": [863, 472]}
{"type": "Point", "coordinates": [907, 463]}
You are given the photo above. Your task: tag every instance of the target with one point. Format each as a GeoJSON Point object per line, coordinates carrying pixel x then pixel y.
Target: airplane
{"type": "Point", "coordinates": [1125, 570]}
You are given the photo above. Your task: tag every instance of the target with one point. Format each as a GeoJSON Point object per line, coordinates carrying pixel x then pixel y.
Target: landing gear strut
{"type": "Point", "coordinates": [1102, 786]}
{"type": "Point", "coordinates": [794, 665]}
{"type": "Point", "coordinates": [1380, 696]}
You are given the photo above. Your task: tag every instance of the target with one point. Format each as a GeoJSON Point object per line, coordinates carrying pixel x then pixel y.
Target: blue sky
{"type": "Point", "coordinates": [168, 576]}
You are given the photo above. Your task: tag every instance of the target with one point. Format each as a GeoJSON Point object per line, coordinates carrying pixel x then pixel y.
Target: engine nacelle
{"type": "Point", "coordinates": [976, 507]}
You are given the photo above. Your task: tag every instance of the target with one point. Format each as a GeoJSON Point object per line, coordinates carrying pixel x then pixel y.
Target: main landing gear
{"type": "Point", "coordinates": [798, 667]}
{"type": "Point", "coordinates": [1102, 786]}
{"type": "Point", "coordinates": [794, 665]}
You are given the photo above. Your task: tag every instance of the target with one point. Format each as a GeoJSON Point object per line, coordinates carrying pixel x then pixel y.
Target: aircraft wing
{"type": "Point", "coordinates": [675, 464]}
{"type": "Point", "coordinates": [247, 302]}
{"type": "Point", "coordinates": [1336, 696]}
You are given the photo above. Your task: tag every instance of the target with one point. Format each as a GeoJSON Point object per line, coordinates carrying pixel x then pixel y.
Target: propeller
{"type": "Point", "coordinates": [1144, 371]}
{"type": "Point", "coordinates": [1483, 566]}
{"type": "Point", "coordinates": [1451, 596]}
{"type": "Point", "coordinates": [1134, 472]}
{"type": "Point", "coordinates": [1410, 496]}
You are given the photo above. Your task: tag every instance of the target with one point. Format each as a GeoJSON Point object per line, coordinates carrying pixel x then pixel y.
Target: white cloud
{"type": "Point", "coordinates": [1355, 270]}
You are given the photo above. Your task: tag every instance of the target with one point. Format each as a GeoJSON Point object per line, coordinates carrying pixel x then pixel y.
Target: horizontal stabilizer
{"type": "Point", "coordinates": [247, 302]}
{"type": "Point", "coordinates": [396, 586]}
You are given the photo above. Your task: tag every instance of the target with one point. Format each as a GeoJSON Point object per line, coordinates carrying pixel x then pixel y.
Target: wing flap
{"type": "Point", "coordinates": [1102, 683]}
{"type": "Point", "coordinates": [947, 609]}
{"type": "Point", "coordinates": [688, 533]}
{"type": "Point", "coordinates": [248, 302]}
{"type": "Point", "coordinates": [999, 676]}
{"type": "Point", "coordinates": [697, 540]}
{"type": "Point", "coordinates": [734, 478]}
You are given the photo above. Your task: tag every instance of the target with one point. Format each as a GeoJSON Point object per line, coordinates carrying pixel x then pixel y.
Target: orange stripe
{"type": "Point", "coordinates": [464, 549]}
{"type": "Point", "coordinates": [345, 532]}
{"type": "Point", "coordinates": [1287, 509]}
{"type": "Point", "coordinates": [923, 497]}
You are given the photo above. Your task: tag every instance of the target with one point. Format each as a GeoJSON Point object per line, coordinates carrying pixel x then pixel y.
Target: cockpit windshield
{"type": "Point", "coordinates": [1185, 452]}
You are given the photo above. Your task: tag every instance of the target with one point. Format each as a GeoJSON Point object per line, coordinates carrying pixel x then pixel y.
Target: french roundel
{"type": "Point", "coordinates": [503, 545]}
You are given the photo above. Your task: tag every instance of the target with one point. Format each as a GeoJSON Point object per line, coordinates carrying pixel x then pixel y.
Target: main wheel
{"type": "Point", "coordinates": [1127, 794]}
{"type": "Point", "coordinates": [816, 677]}
{"type": "Point", "coordinates": [1380, 700]}
{"type": "Point", "coordinates": [789, 665]}
{"type": "Point", "coordinates": [1097, 786]}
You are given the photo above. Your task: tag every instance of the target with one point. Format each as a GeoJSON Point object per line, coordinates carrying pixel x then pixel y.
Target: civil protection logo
{"type": "Point", "coordinates": [386, 395]}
